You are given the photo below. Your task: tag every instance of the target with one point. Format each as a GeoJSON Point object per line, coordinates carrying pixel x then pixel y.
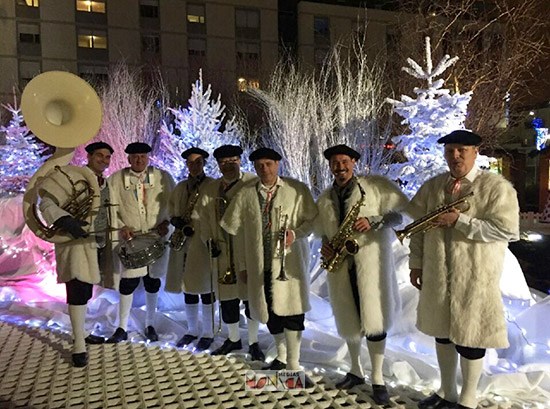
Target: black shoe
{"type": "Point", "coordinates": [119, 335]}
{"type": "Point", "coordinates": [186, 340]}
{"type": "Point", "coordinates": [380, 394]}
{"type": "Point", "coordinates": [80, 360]}
{"type": "Point", "coordinates": [255, 352]}
{"type": "Point", "coordinates": [434, 401]}
{"type": "Point", "coordinates": [94, 339]}
{"type": "Point", "coordinates": [275, 365]}
{"type": "Point", "coordinates": [349, 381]}
{"type": "Point", "coordinates": [151, 334]}
{"type": "Point", "coordinates": [203, 344]}
{"type": "Point", "coordinates": [227, 347]}
{"type": "Point", "coordinates": [308, 382]}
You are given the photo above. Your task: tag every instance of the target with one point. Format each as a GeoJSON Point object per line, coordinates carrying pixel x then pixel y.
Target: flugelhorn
{"type": "Point", "coordinates": [281, 243]}
{"type": "Point", "coordinates": [425, 223]}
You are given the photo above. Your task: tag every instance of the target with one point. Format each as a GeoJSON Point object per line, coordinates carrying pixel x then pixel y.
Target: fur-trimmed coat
{"type": "Point", "coordinates": [189, 269]}
{"type": "Point", "coordinates": [460, 297]}
{"type": "Point", "coordinates": [76, 258]}
{"type": "Point", "coordinates": [289, 297]}
{"type": "Point", "coordinates": [376, 279]}
{"type": "Point", "coordinates": [208, 209]}
{"type": "Point", "coordinates": [141, 215]}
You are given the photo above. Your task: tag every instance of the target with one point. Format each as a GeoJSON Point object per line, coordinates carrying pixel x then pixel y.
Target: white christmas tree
{"type": "Point", "coordinates": [197, 125]}
{"type": "Point", "coordinates": [20, 154]}
{"type": "Point", "coordinates": [434, 113]}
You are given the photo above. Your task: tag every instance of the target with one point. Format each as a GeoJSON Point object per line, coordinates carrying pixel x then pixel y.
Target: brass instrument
{"type": "Point", "coordinates": [213, 270]}
{"type": "Point", "coordinates": [280, 251]}
{"type": "Point", "coordinates": [229, 276]}
{"type": "Point", "coordinates": [424, 224]}
{"type": "Point", "coordinates": [180, 235]}
{"type": "Point", "coordinates": [342, 242]}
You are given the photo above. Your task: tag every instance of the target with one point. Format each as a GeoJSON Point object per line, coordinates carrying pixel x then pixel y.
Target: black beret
{"type": "Point", "coordinates": [264, 153]}
{"type": "Point", "coordinates": [227, 151]}
{"type": "Point", "coordinates": [185, 154]}
{"type": "Point", "coordinates": [341, 150]}
{"type": "Point", "coordinates": [138, 147]}
{"type": "Point", "coordinates": [98, 145]}
{"type": "Point", "coordinates": [461, 137]}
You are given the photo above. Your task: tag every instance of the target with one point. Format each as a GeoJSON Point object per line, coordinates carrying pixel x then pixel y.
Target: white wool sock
{"type": "Point", "coordinates": [77, 314]}
{"type": "Point", "coordinates": [151, 301]}
{"type": "Point", "coordinates": [207, 321]}
{"type": "Point", "coordinates": [192, 316]}
{"type": "Point", "coordinates": [124, 307]}
{"type": "Point", "coordinates": [447, 358]}
{"type": "Point", "coordinates": [233, 330]}
{"type": "Point", "coordinates": [471, 372]}
{"type": "Point", "coordinates": [376, 353]}
{"type": "Point", "coordinates": [354, 350]}
{"type": "Point", "coordinates": [253, 327]}
{"type": "Point", "coordinates": [280, 344]}
{"type": "Point", "coordinates": [293, 341]}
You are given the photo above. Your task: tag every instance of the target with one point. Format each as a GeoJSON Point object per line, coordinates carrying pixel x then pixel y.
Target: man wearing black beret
{"type": "Point", "coordinates": [189, 269]}
{"type": "Point", "coordinates": [362, 285]}
{"type": "Point", "coordinates": [457, 266]}
{"type": "Point", "coordinates": [141, 193]}
{"type": "Point", "coordinates": [279, 214]}
{"type": "Point", "coordinates": [230, 250]}
{"type": "Point", "coordinates": [80, 261]}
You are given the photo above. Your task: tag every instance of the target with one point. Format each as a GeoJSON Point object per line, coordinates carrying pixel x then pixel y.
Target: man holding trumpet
{"type": "Point", "coordinates": [456, 265]}
{"type": "Point", "coordinates": [225, 254]}
{"type": "Point", "coordinates": [363, 285]}
{"type": "Point", "coordinates": [275, 264]}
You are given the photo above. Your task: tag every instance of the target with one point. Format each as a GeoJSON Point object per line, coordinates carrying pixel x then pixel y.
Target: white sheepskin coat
{"type": "Point", "coordinates": [376, 277]}
{"type": "Point", "coordinates": [460, 297]}
{"type": "Point", "coordinates": [289, 297]}
{"type": "Point", "coordinates": [132, 211]}
{"type": "Point", "coordinates": [211, 229]}
{"type": "Point", "coordinates": [189, 269]}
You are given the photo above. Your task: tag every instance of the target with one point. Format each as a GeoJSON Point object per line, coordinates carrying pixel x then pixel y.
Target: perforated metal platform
{"type": "Point", "coordinates": [36, 372]}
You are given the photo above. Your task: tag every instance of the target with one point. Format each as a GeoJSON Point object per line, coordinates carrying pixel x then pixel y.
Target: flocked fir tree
{"type": "Point", "coordinates": [434, 113]}
{"type": "Point", "coordinates": [198, 125]}
{"type": "Point", "coordinates": [20, 154]}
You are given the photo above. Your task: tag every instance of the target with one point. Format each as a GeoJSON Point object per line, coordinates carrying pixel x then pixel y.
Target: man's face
{"type": "Point", "coordinates": [267, 170]}
{"type": "Point", "coordinates": [341, 167]}
{"type": "Point", "coordinates": [460, 158]}
{"type": "Point", "coordinates": [138, 161]}
{"type": "Point", "coordinates": [195, 164]}
{"type": "Point", "coordinates": [99, 160]}
{"type": "Point", "coordinates": [230, 167]}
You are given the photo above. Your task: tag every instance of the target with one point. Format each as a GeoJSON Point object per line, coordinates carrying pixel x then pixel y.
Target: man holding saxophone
{"type": "Point", "coordinates": [141, 193]}
{"type": "Point", "coordinates": [355, 216]}
{"type": "Point", "coordinates": [189, 267]}
{"type": "Point", "coordinates": [215, 200]}
{"type": "Point", "coordinates": [456, 265]}
{"type": "Point", "coordinates": [275, 216]}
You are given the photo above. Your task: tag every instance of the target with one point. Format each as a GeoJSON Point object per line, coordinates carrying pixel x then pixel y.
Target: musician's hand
{"type": "Point", "coordinates": [126, 233]}
{"type": "Point", "coordinates": [416, 277]}
{"type": "Point", "coordinates": [162, 228]}
{"type": "Point", "coordinates": [290, 237]}
{"type": "Point", "coordinates": [177, 222]}
{"type": "Point", "coordinates": [326, 251]}
{"type": "Point", "coordinates": [72, 226]}
{"type": "Point", "coordinates": [243, 276]}
{"type": "Point", "coordinates": [362, 225]}
{"type": "Point", "coordinates": [447, 219]}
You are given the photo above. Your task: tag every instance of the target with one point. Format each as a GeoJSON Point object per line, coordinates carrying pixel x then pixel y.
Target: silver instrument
{"type": "Point", "coordinates": [141, 250]}
{"type": "Point", "coordinates": [280, 251]}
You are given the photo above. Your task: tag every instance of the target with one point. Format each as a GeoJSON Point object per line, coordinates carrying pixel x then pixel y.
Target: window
{"type": "Point", "coordinates": [29, 33]}
{"type": "Point", "coordinates": [93, 73]}
{"type": "Point", "coordinates": [28, 3]}
{"type": "Point", "coordinates": [321, 30]}
{"type": "Point", "coordinates": [28, 70]}
{"type": "Point", "coordinates": [244, 84]}
{"type": "Point", "coordinates": [150, 43]}
{"type": "Point", "coordinates": [249, 51]}
{"type": "Point", "coordinates": [196, 46]}
{"type": "Point", "coordinates": [247, 23]}
{"type": "Point", "coordinates": [92, 39]}
{"type": "Point", "coordinates": [149, 8]}
{"type": "Point", "coordinates": [195, 14]}
{"type": "Point", "coordinates": [97, 6]}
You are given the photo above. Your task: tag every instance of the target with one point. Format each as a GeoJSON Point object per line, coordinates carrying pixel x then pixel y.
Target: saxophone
{"type": "Point", "coordinates": [180, 235]}
{"type": "Point", "coordinates": [342, 242]}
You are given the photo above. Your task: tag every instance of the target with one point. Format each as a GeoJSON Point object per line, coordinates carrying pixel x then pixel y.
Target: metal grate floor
{"type": "Point", "coordinates": [36, 372]}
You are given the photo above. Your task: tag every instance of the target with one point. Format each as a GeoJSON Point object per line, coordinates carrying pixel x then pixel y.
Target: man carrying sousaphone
{"type": "Point", "coordinates": [189, 267]}
{"type": "Point", "coordinates": [361, 277]}
{"type": "Point", "coordinates": [228, 250]}
{"type": "Point", "coordinates": [142, 193]}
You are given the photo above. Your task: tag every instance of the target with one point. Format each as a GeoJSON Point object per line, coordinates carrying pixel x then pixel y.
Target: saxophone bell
{"type": "Point", "coordinates": [188, 230]}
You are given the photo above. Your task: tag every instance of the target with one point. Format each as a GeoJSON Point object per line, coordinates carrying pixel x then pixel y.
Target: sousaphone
{"type": "Point", "coordinates": [62, 110]}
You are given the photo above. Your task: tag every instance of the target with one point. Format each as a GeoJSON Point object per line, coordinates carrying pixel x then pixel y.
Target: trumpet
{"type": "Point", "coordinates": [424, 224]}
{"type": "Point", "coordinates": [281, 243]}
{"type": "Point", "coordinates": [229, 276]}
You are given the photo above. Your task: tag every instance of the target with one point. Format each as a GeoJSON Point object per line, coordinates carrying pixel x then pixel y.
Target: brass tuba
{"type": "Point", "coordinates": [64, 111]}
